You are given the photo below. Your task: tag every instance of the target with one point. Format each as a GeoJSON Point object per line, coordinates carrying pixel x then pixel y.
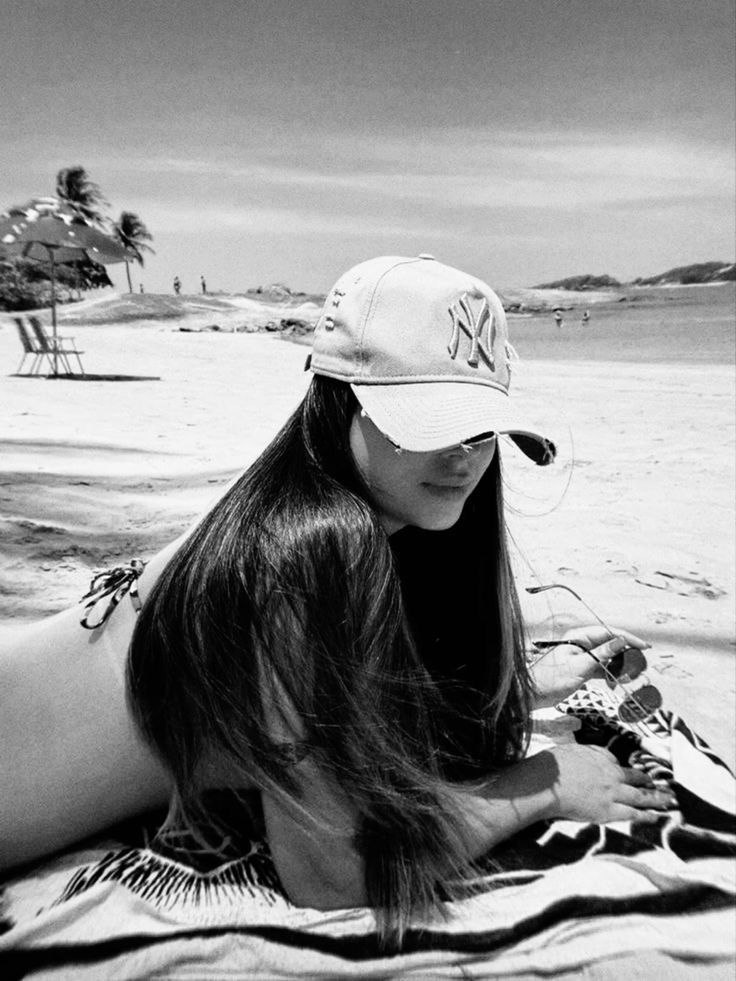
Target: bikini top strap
{"type": "Point", "coordinates": [112, 583]}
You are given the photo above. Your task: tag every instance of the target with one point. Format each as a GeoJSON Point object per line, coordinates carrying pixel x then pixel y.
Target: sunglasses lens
{"type": "Point", "coordinates": [627, 665]}
{"type": "Point", "coordinates": [639, 706]}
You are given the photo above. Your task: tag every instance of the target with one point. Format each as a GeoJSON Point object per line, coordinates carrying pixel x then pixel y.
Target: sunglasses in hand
{"type": "Point", "coordinates": [634, 706]}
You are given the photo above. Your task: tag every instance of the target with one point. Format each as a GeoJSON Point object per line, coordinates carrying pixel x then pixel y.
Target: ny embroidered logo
{"type": "Point", "coordinates": [472, 324]}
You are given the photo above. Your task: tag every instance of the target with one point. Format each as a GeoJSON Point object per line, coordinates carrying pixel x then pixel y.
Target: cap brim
{"type": "Point", "coordinates": [427, 416]}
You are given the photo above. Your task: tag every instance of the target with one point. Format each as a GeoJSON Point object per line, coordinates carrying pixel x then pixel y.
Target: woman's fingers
{"type": "Point", "coordinates": [637, 778]}
{"type": "Point", "coordinates": [602, 644]}
{"type": "Point", "coordinates": [622, 641]}
{"type": "Point", "coordinates": [631, 639]}
{"type": "Point", "coordinates": [646, 798]}
{"type": "Point", "coordinates": [621, 812]}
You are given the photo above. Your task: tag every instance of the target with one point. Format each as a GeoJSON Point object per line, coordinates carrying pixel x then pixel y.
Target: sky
{"type": "Point", "coordinates": [268, 141]}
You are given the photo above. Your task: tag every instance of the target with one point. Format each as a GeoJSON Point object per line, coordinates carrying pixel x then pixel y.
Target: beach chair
{"type": "Point", "coordinates": [30, 349]}
{"type": "Point", "coordinates": [62, 347]}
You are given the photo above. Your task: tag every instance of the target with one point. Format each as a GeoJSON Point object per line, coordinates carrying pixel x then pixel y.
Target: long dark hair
{"type": "Point", "coordinates": [284, 612]}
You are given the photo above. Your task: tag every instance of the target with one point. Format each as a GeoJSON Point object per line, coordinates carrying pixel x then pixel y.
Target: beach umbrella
{"type": "Point", "coordinates": [49, 230]}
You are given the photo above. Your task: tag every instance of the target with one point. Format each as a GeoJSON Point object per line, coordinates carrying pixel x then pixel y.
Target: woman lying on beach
{"type": "Point", "coordinates": [341, 633]}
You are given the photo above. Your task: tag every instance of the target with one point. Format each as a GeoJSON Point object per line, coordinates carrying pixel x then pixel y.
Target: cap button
{"type": "Point", "coordinates": [425, 255]}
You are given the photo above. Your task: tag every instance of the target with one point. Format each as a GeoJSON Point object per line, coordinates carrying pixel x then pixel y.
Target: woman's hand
{"type": "Point", "coordinates": [588, 784]}
{"type": "Point", "coordinates": [564, 668]}
{"type": "Point", "coordinates": [581, 783]}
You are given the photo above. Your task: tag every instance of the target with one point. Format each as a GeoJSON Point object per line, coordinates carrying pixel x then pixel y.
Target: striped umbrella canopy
{"type": "Point", "coordinates": [49, 230]}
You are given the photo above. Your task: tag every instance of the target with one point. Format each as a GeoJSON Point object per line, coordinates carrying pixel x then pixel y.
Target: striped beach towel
{"type": "Point", "coordinates": [562, 898]}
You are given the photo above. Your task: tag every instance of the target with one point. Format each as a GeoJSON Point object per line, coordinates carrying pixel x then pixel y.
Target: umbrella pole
{"type": "Point", "coordinates": [53, 314]}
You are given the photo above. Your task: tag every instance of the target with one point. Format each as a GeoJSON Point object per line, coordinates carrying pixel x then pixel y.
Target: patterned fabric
{"type": "Point", "coordinates": [556, 898]}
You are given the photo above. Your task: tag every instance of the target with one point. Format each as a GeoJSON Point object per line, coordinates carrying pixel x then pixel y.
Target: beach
{"type": "Point", "coordinates": [637, 516]}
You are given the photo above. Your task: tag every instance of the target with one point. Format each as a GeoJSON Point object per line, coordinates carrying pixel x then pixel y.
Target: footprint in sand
{"type": "Point", "coordinates": [664, 616]}
{"type": "Point", "coordinates": [673, 671]}
{"type": "Point", "coordinates": [683, 585]}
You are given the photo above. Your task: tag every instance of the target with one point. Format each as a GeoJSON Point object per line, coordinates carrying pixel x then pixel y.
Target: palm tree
{"type": "Point", "coordinates": [132, 235]}
{"type": "Point", "coordinates": [73, 185]}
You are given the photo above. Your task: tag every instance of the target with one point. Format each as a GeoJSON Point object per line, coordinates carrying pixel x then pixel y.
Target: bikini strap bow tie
{"type": "Point", "coordinates": [112, 583]}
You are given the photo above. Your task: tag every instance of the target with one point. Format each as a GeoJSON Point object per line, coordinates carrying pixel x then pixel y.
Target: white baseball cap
{"type": "Point", "coordinates": [425, 349]}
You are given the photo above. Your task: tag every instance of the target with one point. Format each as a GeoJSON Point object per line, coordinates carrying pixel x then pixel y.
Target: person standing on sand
{"type": "Point", "coordinates": [340, 633]}
{"type": "Point", "coordinates": [558, 318]}
{"type": "Point", "coordinates": [204, 284]}
{"type": "Point", "coordinates": [585, 318]}
{"type": "Point", "coordinates": [177, 285]}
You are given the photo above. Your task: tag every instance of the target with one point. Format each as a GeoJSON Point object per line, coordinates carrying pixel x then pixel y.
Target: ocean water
{"type": "Point", "coordinates": [678, 325]}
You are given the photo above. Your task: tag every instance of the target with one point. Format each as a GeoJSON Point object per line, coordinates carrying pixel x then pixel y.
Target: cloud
{"type": "Point", "coordinates": [439, 186]}
{"type": "Point", "coordinates": [522, 169]}
{"type": "Point", "coordinates": [172, 217]}
{"type": "Point", "coordinates": [478, 169]}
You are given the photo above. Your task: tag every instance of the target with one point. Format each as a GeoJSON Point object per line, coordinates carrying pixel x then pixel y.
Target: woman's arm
{"type": "Point", "coordinates": [581, 783]}
{"type": "Point", "coordinates": [313, 847]}
{"type": "Point", "coordinates": [319, 866]}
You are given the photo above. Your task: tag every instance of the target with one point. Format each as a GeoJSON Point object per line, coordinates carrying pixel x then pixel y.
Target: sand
{"type": "Point", "coordinates": [638, 517]}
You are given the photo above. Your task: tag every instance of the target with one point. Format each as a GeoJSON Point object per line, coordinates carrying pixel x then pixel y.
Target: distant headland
{"type": "Point", "coordinates": [697, 273]}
